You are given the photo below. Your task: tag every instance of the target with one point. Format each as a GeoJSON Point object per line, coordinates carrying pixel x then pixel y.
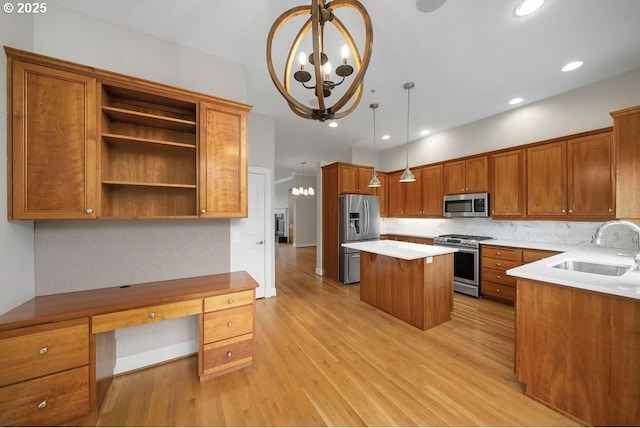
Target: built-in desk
{"type": "Point", "coordinates": [57, 352]}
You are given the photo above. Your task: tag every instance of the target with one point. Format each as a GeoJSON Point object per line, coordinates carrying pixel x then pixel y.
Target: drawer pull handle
{"type": "Point", "coordinates": [229, 354]}
{"type": "Point", "coordinates": [498, 253]}
{"type": "Point", "coordinates": [498, 290]}
{"type": "Point", "coordinates": [229, 324]}
{"type": "Point", "coordinates": [498, 264]}
{"type": "Point", "coordinates": [152, 315]}
{"type": "Point", "coordinates": [42, 405]}
{"type": "Point", "coordinates": [43, 351]}
{"type": "Point", "coordinates": [498, 277]}
{"type": "Point", "coordinates": [230, 301]}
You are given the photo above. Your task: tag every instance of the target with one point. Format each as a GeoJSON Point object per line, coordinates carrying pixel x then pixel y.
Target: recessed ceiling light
{"type": "Point", "coordinates": [572, 66]}
{"type": "Point", "coordinates": [386, 137]}
{"type": "Point", "coordinates": [424, 132]}
{"type": "Point", "coordinates": [527, 7]}
{"type": "Point", "coordinates": [333, 124]}
{"type": "Point", "coordinates": [516, 100]}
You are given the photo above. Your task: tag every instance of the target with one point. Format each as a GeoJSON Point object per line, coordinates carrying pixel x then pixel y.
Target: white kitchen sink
{"type": "Point", "coordinates": [591, 267]}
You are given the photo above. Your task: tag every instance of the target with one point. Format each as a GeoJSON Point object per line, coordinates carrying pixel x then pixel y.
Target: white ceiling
{"type": "Point", "coordinates": [467, 59]}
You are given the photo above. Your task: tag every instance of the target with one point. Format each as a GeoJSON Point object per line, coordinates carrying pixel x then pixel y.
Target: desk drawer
{"type": "Point", "coordinates": [227, 354]}
{"type": "Point", "coordinates": [229, 323]}
{"type": "Point", "coordinates": [230, 300]}
{"type": "Point", "coordinates": [500, 264]}
{"type": "Point", "coordinates": [47, 400]}
{"type": "Point", "coordinates": [149, 314]}
{"type": "Point", "coordinates": [498, 276]}
{"type": "Point", "coordinates": [40, 350]}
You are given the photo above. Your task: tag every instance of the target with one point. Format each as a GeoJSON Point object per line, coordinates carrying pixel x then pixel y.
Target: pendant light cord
{"type": "Point", "coordinates": [408, 86]}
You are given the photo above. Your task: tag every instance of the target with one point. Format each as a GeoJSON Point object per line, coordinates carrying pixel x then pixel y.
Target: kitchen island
{"type": "Point", "coordinates": [412, 282]}
{"type": "Point", "coordinates": [577, 342]}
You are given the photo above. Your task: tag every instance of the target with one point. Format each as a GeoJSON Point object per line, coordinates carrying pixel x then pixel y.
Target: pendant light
{"type": "Point", "coordinates": [407, 175]}
{"type": "Point", "coordinates": [374, 182]}
{"type": "Point", "coordinates": [303, 191]}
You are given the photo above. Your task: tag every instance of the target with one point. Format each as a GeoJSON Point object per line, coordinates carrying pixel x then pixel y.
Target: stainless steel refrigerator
{"type": "Point", "coordinates": [359, 221]}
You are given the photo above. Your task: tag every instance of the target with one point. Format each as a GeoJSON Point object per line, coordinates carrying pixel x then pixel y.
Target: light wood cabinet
{"type": "Point", "coordinates": [577, 351]}
{"type": "Point", "coordinates": [546, 180]}
{"type": "Point", "coordinates": [508, 184]}
{"type": "Point", "coordinates": [466, 176]}
{"type": "Point", "coordinates": [89, 143]}
{"type": "Point", "coordinates": [495, 283]}
{"type": "Point", "coordinates": [148, 155]}
{"type": "Point", "coordinates": [626, 136]}
{"type": "Point", "coordinates": [223, 161]}
{"type": "Point", "coordinates": [432, 190]}
{"type": "Point", "coordinates": [58, 351]}
{"type": "Point", "coordinates": [572, 178]}
{"type": "Point", "coordinates": [405, 199]}
{"type": "Point", "coordinates": [355, 179]}
{"type": "Point", "coordinates": [227, 333]}
{"type": "Point", "coordinates": [44, 373]}
{"type": "Point", "coordinates": [382, 192]}
{"type": "Point", "coordinates": [52, 143]}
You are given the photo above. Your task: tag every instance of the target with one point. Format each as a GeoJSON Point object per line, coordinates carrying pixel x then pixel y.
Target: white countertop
{"type": "Point", "coordinates": [399, 249]}
{"type": "Point", "coordinates": [627, 285]}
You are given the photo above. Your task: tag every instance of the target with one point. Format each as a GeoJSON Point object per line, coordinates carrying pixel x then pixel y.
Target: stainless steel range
{"type": "Point", "coordinates": [466, 261]}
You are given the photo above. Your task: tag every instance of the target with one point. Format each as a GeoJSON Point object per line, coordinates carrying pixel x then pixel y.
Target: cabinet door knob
{"type": "Point", "coordinates": [229, 324]}
{"type": "Point", "coordinates": [230, 301]}
{"type": "Point", "coordinates": [42, 404]}
{"type": "Point", "coordinates": [152, 315]}
{"type": "Point", "coordinates": [570, 211]}
{"type": "Point", "coordinates": [229, 354]}
{"type": "Point", "coordinates": [498, 276]}
{"type": "Point", "coordinates": [43, 350]}
{"type": "Point", "coordinates": [564, 211]}
{"type": "Point", "coordinates": [610, 210]}
{"type": "Point", "coordinates": [203, 211]}
{"type": "Point", "coordinates": [497, 290]}
{"type": "Point", "coordinates": [498, 253]}
{"type": "Point", "coordinates": [498, 264]}
{"type": "Point", "coordinates": [89, 210]}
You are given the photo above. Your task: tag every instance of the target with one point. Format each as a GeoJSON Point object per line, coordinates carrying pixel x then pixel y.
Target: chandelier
{"type": "Point", "coordinates": [303, 191]}
{"type": "Point", "coordinates": [321, 83]}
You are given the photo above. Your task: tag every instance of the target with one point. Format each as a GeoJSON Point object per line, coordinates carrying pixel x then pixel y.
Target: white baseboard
{"type": "Point", "coordinates": [312, 244]}
{"type": "Point", "coordinates": [144, 359]}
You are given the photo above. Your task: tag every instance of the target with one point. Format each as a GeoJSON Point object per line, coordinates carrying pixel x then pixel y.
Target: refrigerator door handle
{"type": "Point", "coordinates": [366, 218]}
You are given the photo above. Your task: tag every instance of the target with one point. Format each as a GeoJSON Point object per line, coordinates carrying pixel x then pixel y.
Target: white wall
{"type": "Point", "coordinates": [88, 254]}
{"type": "Point", "coordinates": [580, 110]}
{"type": "Point", "coordinates": [17, 282]}
{"type": "Point", "coordinates": [304, 222]}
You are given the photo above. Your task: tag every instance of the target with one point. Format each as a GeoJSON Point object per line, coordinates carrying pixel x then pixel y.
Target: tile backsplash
{"type": "Point", "coordinates": [555, 232]}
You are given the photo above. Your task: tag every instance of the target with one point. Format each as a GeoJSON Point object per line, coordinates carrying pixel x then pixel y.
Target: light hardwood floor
{"type": "Point", "coordinates": [323, 357]}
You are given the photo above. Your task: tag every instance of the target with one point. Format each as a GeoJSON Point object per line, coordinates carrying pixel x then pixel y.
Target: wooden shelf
{"type": "Point", "coordinates": [146, 119]}
{"type": "Point", "coordinates": [137, 183]}
{"type": "Point", "coordinates": [131, 140]}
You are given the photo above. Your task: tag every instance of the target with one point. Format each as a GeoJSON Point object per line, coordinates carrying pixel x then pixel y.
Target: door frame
{"type": "Point", "coordinates": [269, 235]}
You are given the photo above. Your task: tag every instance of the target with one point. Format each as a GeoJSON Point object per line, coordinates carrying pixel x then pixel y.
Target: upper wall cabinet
{"type": "Point", "coordinates": [223, 161]}
{"type": "Point", "coordinates": [355, 179]}
{"type": "Point", "coordinates": [572, 178]}
{"type": "Point", "coordinates": [466, 176]}
{"type": "Point", "coordinates": [508, 189]}
{"type": "Point", "coordinates": [626, 135]}
{"type": "Point", "coordinates": [88, 143]}
{"type": "Point", "coordinates": [51, 143]}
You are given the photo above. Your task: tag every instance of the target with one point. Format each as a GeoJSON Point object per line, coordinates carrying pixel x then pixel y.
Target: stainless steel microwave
{"type": "Point", "coordinates": [468, 205]}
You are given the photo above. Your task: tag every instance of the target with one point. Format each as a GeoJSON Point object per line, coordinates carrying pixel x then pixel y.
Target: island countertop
{"type": "Point", "coordinates": [399, 249]}
{"type": "Point", "coordinates": [627, 285]}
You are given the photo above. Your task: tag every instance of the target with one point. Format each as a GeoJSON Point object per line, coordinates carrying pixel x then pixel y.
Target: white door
{"type": "Point", "coordinates": [252, 237]}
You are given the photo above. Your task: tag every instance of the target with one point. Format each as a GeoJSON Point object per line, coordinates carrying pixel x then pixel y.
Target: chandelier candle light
{"type": "Point", "coordinates": [407, 175]}
{"type": "Point", "coordinates": [303, 191]}
{"type": "Point", "coordinates": [322, 13]}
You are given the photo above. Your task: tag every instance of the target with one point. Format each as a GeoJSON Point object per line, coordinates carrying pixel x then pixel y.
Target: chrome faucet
{"type": "Point", "coordinates": [598, 236]}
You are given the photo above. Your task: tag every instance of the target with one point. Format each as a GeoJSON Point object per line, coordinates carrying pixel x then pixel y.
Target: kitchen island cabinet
{"type": "Point", "coordinates": [412, 282]}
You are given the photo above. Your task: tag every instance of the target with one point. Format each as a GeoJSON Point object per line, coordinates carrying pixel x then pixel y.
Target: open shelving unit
{"type": "Point", "coordinates": [148, 155]}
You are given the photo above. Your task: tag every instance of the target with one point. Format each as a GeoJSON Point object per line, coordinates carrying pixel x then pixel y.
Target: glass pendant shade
{"type": "Point", "coordinates": [375, 181]}
{"type": "Point", "coordinates": [303, 191]}
{"type": "Point", "coordinates": [407, 176]}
